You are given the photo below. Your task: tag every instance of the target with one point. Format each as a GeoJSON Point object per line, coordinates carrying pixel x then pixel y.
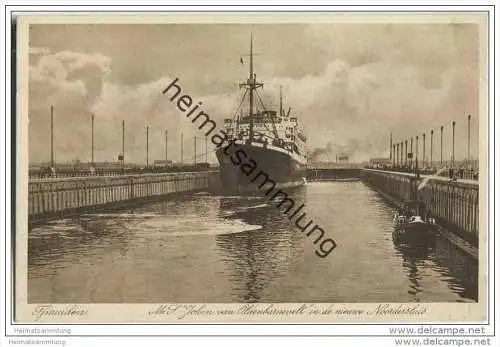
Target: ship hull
{"type": "Point", "coordinates": [279, 167]}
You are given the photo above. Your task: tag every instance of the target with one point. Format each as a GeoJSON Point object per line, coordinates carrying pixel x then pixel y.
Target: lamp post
{"type": "Point", "coordinates": [411, 151]}
{"type": "Point", "coordinates": [468, 140]}
{"type": "Point", "coordinates": [123, 146]}
{"type": "Point", "coordinates": [92, 157]}
{"type": "Point", "coordinates": [147, 146]}
{"type": "Point", "coordinates": [432, 135]}
{"type": "Point", "coordinates": [402, 161]}
{"type": "Point", "coordinates": [406, 153]}
{"type": "Point", "coordinates": [393, 155]}
{"type": "Point", "coordinates": [453, 146]}
{"type": "Point", "coordinates": [441, 160]}
{"type": "Point", "coordinates": [182, 148]}
{"type": "Point", "coordinates": [416, 154]}
{"type": "Point", "coordinates": [51, 136]}
{"type": "Point", "coordinates": [195, 151]}
{"type": "Point", "coordinates": [390, 147]}
{"type": "Point", "coordinates": [397, 154]}
{"type": "Point", "coordinates": [424, 163]}
{"type": "Point", "coordinates": [166, 147]}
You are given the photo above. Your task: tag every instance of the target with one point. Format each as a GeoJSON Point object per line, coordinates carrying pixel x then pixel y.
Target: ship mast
{"type": "Point", "coordinates": [251, 84]}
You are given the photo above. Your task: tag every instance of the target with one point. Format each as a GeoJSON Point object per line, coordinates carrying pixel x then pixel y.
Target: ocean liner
{"type": "Point", "coordinates": [274, 139]}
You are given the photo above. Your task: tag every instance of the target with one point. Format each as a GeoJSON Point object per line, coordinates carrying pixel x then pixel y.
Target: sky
{"type": "Point", "coordinates": [351, 85]}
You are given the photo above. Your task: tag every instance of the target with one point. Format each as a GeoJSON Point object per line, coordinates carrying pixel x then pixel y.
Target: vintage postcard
{"type": "Point", "coordinates": [252, 167]}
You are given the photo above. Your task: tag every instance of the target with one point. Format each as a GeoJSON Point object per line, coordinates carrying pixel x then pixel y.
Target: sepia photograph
{"type": "Point", "coordinates": [285, 166]}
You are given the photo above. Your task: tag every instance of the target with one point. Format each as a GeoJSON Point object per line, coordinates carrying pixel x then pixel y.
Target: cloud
{"type": "Point", "coordinates": [70, 81]}
{"type": "Point", "coordinates": [356, 107]}
{"type": "Point", "coordinates": [145, 105]}
{"type": "Point", "coordinates": [353, 108]}
{"type": "Point", "coordinates": [76, 85]}
{"type": "Point", "coordinates": [357, 85]}
{"type": "Point", "coordinates": [61, 73]}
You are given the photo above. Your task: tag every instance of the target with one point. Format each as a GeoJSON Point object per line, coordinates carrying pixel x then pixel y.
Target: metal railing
{"type": "Point", "coordinates": [47, 173]}
{"type": "Point", "coordinates": [451, 173]}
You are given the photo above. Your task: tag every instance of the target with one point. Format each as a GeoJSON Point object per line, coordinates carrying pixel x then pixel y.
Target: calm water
{"type": "Point", "coordinates": [216, 248]}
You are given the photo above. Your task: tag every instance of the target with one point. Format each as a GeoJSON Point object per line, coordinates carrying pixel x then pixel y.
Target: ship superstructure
{"type": "Point", "coordinates": [273, 138]}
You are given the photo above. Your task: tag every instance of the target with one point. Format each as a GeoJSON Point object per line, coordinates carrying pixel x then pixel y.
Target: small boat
{"type": "Point", "coordinates": [412, 223]}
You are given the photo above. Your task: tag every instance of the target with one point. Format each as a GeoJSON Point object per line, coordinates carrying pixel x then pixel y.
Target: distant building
{"type": "Point", "coordinates": [380, 162]}
{"type": "Point", "coordinates": [163, 163]}
{"type": "Point", "coordinates": [342, 158]}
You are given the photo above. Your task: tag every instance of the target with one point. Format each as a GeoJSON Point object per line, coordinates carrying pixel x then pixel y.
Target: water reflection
{"type": "Point", "coordinates": [413, 254]}
{"type": "Point", "coordinates": [436, 253]}
{"type": "Point", "coordinates": [62, 240]}
{"type": "Point", "coordinates": [457, 268]}
{"type": "Point", "coordinates": [257, 258]}
{"type": "Point", "coordinates": [241, 248]}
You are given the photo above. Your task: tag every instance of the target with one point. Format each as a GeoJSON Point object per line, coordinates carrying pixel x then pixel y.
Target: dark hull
{"type": "Point", "coordinates": [279, 167]}
{"type": "Point", "coordinates": [412, 232]}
